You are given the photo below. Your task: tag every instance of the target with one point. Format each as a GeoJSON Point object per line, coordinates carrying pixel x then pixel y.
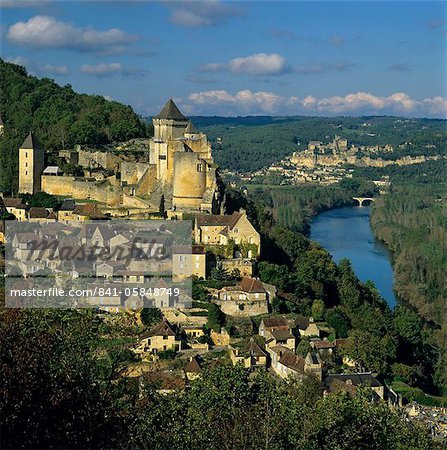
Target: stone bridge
{"type": "Point", "coordinates": [360, 200]}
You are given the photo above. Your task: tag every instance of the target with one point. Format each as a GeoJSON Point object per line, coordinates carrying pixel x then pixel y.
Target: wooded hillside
{"type": "Point", "coordinates": [58, 116]}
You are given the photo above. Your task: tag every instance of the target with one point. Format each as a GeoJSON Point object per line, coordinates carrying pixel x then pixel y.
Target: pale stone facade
{"type": "Point", "coordinates": [31, 165]}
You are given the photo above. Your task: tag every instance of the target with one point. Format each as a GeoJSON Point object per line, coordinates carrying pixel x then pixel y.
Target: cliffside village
{"type": "Point", "coordinates": [177, 164]}
{"type": "Point", "coordinates": [328, 163]}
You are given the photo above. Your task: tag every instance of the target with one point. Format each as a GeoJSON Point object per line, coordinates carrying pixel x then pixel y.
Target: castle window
{"type": "Point", "coordinates": [199, 167]}
{"type": "Point", "coordinates": [26, 164]}
{"type": "Point", "coordinates": [26, 172]}
{"type": "Point", "coordinates": [26, 154]}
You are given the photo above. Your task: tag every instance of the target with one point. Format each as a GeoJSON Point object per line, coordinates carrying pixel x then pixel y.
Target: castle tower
{"type": "Point", "coordinates": [170, 123]}
{"type": "Point", "coordinates": [191, 131]}
{"type": "Point", "coordinates": [31, 165]}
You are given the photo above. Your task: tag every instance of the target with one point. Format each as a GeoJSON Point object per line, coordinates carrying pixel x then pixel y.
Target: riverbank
{"type": "Point", "coordinates": [346, 233]}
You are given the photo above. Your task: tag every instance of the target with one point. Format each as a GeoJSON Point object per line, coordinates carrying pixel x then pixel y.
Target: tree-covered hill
{"type": "Point", "coordinates": [58, 116]}
{"type": "Point", "coordinates": [250, 143]}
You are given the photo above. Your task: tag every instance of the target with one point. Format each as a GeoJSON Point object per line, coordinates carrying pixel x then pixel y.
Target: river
{"type": "Point", "coordinates": [346, 233]}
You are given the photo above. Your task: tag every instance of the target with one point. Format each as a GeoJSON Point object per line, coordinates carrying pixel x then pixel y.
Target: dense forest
{"type": "Point", "coordinates": [59, 391]}
{"type": "Point", "coordinates": [397, 344]}
{"type": "Point", "coordinates": [250, 143]}
{"type": "Point", "coordinates": [293, 206]}
{"type": "Point", "coordinates": [59, 117]}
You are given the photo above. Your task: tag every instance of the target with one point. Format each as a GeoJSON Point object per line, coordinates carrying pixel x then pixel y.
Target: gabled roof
{"type": "Point", "coordinates": [38, 212]}
{"type": "Point", "coordinates": [282, 335]}
{"type": "Point", "coordinates": [354, 379]}
{"type": "Point", "coordinates": [192, 366]}
{"type": "Point", "coordinates": [256, 350]}
{"type": "Point", "coordinates": [11, 202]}
{"type": "Point", "coordinates": [162, 329]}
{"type": "Point", "coordinates": [68, 205]}
{"type": "Point", "coordinates": [30, 142]}
{"type": "Point", "coordinates": [301, 322]}
{"type": "Point", "coordinates": [230, 221]}
{"type": "Point", "coordinates": [90, 210]}
{"type": "Point", "coordinates": [170, 111]}
{"type": "Point", "coordinates": [191, 129]}
{"type": "Point", "coordinates": [275, 321]}
{"type": "Point", "coordinates": [291, 360]}
{"type": "Point", "coordinates": [251, 285]}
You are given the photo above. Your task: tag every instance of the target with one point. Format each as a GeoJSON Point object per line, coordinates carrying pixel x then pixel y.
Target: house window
{"type": "Point", "coordinates": [199, 167]}
{"type": "Point", "coordinates": [236, 229]}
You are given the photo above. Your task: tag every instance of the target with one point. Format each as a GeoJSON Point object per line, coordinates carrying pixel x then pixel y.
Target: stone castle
{"type": "Point", "coordinates": [178, 164]}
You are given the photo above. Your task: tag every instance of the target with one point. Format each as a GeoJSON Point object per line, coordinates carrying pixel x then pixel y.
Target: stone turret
{"type": "Point", "coordinates": [191, 131]}
{"type": "Point", "coordinates": [31, 165]}
{"type": "Point", "coordinates": [170, 123]}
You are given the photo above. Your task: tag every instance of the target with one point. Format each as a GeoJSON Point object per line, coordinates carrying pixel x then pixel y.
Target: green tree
{"type": "Point", "coordinates": [151, 316]}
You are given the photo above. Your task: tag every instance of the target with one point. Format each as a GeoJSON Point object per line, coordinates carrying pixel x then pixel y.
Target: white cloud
{"type": "Point", "coordinates": [257, 64]}
{"type": "Point", "coordinates": [102, 69]}
{"type": "Point", "coordinates": [10, 4]}
{"type": "Point", "coordinates": [47, 32]}
{"type": "Point", "coordinates": [19, 60]}
{"type": "Point", "coordinates": [55, 70]}
{"type": "Point", "coordinates": [244, 100]}
{"type": "Point", "coordinates": [322, 67]}
{"type": "Point", "coordinates": [202, 13]}
{"type": "Point", "coordinates": [248, 102]}
{"type": "Point", "coordinates": [106, 69]}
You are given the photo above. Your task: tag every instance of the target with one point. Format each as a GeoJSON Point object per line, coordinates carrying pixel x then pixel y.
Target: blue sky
{"type": "Point", "coordinates": [226, 58]}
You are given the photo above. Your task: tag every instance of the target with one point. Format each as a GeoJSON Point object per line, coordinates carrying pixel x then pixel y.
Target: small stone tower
{"type": "Point", "coordinates": [31, 165]}
{"type": "Point", "coordinates": [170, 123]}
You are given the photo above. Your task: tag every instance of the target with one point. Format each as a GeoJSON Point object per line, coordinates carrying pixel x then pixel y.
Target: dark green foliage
{"type": "Point", "coordinates": [339, 321]}
{"type": "Point", "coordinates": [58, 116]}
{"type": "Point", "coordinates": [150, 316]}
{"type": "Point", "coordinates": [215, 317]}
{"type": "Point", "coordinates": [250, 143]}
{"type": "Point", "coordinates": [41, 199]}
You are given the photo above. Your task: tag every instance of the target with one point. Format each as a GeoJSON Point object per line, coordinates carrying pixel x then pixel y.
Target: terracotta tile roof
{"type": "Point", "coordinates": [251, 285]}
{"type": "Point", "coordinates": [341, 342]}
{"type": "Point", "coordinates": [291, 360]}
{"type": "Point", "coordinates": [37, 212]}
{"type": "Point", "coordinates": [275, 322]}
{"type": "Point", "coordinates": [165, 380]}
{"type": "Point", "coordinates": [193, 365]}
{"type": "Point", "coordinates": [13, 202]}
{"type": "Point", "coordinates": [90, 210]}
{"type": "Point", "coordinates": [162, 329]}
{"type": "Point", "coordinates": [323, 344]}
{"type": "Point", "coordinates": [207, 220]}
{"type": "Point", "coordinates": [282, 335]}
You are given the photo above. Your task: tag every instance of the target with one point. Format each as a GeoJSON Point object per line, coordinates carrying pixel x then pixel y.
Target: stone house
{"type": "Point", "coordinates": [251, 355]}
{"type": "Point", "coordinates": [223, 230]}
{"type": "Point", "coordinates": [41, 215]}
{"type": "Point", "coordinates": [268, 324]}
{"type": "Point", "coordinates": [16, 207]}
{"type": "Point", "coordinates": [160, 338]}
{"type": "Point", "coordinates": [220, 339]}
{"type": "Point", "coordinates": [350, 382]}
{"type": "Point", "coordinates": [281, 337]}
{"type": "Point", "coordinates": [286, 363]}
{"type": "Point", "coordinates": [306, 326]}
{"type": "Point", "coordinates": [188, 261]}
{"type": "Point", "coordinates": [247, 298]}
{"type": "Point", "coordinates": [192, 368]}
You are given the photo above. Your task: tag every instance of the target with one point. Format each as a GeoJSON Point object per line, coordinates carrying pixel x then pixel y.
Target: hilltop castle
{"type": "Point", "coordinates": [178, 165]}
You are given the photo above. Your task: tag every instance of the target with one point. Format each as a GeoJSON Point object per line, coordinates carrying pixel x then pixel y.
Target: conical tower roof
{"type": "Point", "coordinates": [170, 111]}
{"type": "Point", "coordinates": [30, 142]}
{"type": "Point", "coordinates": [191, 129]}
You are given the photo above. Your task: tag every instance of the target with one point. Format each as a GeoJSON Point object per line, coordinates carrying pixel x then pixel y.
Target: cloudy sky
{"type": "Point", "coordinates": [237, 58]}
